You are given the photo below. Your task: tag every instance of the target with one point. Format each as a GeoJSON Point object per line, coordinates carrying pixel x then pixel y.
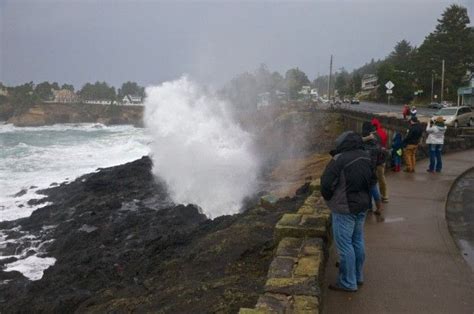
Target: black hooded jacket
{"type": "Point", "coordinates": [346, 181]}
{"type": "Point", "coordinates": [415, 132]}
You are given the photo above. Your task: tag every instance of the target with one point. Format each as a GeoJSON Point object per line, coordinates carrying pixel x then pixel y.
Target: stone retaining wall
{"type": "Point", "coordinates": [296, 273]}
{"type": "Point", "coordinates": [455, 139]}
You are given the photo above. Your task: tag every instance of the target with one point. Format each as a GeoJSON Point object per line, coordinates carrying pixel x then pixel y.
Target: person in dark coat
{"type": "Point", "coordinates": [373, 147]}
{"type": "Point", "coordinates": [345, 186]}
{"type": "Point", "coordinates": [410, 144]}
{"type": "Point", "coordinates": [382, 135]}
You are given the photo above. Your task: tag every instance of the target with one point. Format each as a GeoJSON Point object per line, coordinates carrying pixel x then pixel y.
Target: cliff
{"type": "Point", "coordinates": [47, 114]}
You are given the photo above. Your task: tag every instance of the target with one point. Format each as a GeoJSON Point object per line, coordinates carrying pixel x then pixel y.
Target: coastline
{"type": "Point", "coordinates": [53, 113]}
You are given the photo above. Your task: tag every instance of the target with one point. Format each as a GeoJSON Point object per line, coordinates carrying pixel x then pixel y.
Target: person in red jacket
{"type": "Point", "coordinates": [405, 111]}
{"type": "Point", "coordinates": [381, 167]}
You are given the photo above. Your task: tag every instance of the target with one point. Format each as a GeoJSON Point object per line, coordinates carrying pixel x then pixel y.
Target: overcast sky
{"type": "Point", "coordinates": [78, 41]}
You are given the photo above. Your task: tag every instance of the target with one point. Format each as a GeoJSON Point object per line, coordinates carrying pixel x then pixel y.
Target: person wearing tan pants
{"type": "Point", "coordinates": [409, 154]}
{"type": "Point", "coordinates": [382, 182]}
{"type": "Point", "coordinates": [410, 142]}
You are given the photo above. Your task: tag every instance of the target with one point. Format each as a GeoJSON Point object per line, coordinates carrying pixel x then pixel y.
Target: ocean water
{"type": "Point", "coordinates": [34, 158]}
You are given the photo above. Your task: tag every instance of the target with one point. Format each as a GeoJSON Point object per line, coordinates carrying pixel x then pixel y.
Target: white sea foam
{"type": "Point", "coordinates": [31, 267]}
{"type": "Point", "coordinates": [33, 158]}
{"type": "Point", "coordinates": [200, 152]}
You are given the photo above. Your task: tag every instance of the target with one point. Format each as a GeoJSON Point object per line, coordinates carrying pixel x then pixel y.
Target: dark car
{"type": "Point", "coordinates": [355, 101]}
{"type": "Point", "coordinates": [435, 105]}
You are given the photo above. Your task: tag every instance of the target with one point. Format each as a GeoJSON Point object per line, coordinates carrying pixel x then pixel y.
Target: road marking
{"type": "Point", "coordinates": [394, 219]}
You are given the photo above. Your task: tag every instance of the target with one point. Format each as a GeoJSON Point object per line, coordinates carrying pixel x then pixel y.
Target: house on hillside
{"type": "Point", "coordinates": [64, 96]}
{"type": "Point", "coordinates": [263, 100]}
{"type": "Point", "coordinates": [466, 94]}
{"type": "Point", "coordinates": [305, 93]}
{"type": "Point", "coordinates": [132, 100]}
{"type": "Point", "coordinates": [3, 91]}
{"type": "Point", "coordinates": [369, 82]}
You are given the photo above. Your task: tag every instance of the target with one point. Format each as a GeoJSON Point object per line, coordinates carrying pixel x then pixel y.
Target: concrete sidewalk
{"type": "Point", "coordinates": [412, 263]}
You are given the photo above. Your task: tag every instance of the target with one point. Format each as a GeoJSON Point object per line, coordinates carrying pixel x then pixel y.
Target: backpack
{"type": "Point", "coordinates": [378, 156]}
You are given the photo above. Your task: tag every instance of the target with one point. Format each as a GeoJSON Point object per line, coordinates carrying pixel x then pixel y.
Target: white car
{"type": "Point", "coordinates": [456, 116]}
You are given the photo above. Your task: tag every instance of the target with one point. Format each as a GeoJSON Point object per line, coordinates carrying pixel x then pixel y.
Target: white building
{"type": "Point", "coordinates": [305, 90]}
{"type": "Point", "coordinates": [132, 100]}
{"type": "Point", "coordinates": [64, 96]}
{"type": "Point", "coordinates": [369, 82]}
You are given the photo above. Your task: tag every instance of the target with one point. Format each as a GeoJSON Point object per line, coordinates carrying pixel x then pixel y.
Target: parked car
{"type": "Point", "coordinates": [435, 105]}
{"type": "Point", "coordinates": [447, 104]}
{"type": "Point", "coordinates": [355, 101]}
{"type": "Point", "coordinates": [346, 100]}
{"type": "Point", "coordinates": [456, 116]}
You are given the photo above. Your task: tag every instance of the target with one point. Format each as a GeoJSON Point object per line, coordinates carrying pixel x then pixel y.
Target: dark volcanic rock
{"type": "Point", "coordinates": [121, 245]}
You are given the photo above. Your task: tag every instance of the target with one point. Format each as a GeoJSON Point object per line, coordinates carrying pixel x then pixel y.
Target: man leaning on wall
{"type": "Point", "coordinates": [345, 186]}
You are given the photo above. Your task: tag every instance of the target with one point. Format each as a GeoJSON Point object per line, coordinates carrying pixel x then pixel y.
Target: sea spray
{"type": "Point", "coordinates": [198, 150]}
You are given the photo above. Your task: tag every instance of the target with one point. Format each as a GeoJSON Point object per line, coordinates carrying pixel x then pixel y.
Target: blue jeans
{"type": "Point", "coordinates": [397, 160]}
{"type": "Point", "coordinates": [348, 233]}
{"type": "Point", "coordinates": [375, 194]}
{"type": "Point", "coordinates": [435, 157]}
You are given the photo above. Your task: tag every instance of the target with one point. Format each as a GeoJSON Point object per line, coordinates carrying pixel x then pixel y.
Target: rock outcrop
{"type": "Point", "coordinates": [47, 114]}
{"type": "Point", "coordinates": [121, 245]}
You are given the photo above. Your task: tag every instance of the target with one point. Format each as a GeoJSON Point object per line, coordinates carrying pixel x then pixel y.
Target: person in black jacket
{"type": "Point", "coordinates": [345, 186]}
{"type": "Point", "coordinates": [410, 144]}
{"type": "Point", "coordinates": [372, 144]}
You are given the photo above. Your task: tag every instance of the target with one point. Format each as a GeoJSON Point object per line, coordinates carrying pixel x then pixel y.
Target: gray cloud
{"type": "Point", "coordinates": [149, 41]}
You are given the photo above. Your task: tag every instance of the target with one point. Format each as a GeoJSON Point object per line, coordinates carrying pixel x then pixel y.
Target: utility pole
{"type": "Point", "coordinates": [432, 85]}
{"type": "Point", "coordinates": [329, 80]}
{"type": "Point", "coordinates": [442, 80]}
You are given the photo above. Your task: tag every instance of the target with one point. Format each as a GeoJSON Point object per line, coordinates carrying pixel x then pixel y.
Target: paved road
{"type": "Point", "coordinates": [412, 264]}
{"type": "Point", "coordinates": [380, 107]}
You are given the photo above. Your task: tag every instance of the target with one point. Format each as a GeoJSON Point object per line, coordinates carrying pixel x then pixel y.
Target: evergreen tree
{"type": "Point", "coordinates": [97, 91]}
{"type": "Point", "coordinates": [131, 88]}
{"type": "Point", "coordinates": [452, 41]}
{"type": "Point", "coordinates": [68, 87]}
{"type": "Point", "coordinates": [294, 80]}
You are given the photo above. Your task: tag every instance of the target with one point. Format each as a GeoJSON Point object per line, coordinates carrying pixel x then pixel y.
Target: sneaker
{"type": "Point", "coordinates": [384, 200]}
{"type": "Point", "coordinates": [429, 170]}
{"type": "Point", "coordinates": [342, 289]}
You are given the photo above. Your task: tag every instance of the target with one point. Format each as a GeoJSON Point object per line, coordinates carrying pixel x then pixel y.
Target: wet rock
{"type": "Point", "coordinates": [8, 260]}
{"type": "Point", "coordinates": [120, 244]}
{"type": "Point", "coordinates": [21, 193]}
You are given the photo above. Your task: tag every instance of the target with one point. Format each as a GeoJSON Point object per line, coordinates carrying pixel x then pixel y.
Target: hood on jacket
{"type": "Point", "coordinates": [347, 141]}
{"type": "Point", "coordinates": [375, 122]}
{"type": "Point", "coordinates": [367, 128]}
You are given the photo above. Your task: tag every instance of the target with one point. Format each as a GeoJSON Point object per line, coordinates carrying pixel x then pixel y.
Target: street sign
{"type": "Point", "coordinates": [389, 85]}
{"type": "Point", "coordinates": [389, 91]}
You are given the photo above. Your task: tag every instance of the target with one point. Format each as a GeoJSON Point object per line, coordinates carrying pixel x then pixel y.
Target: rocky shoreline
{"type": "Point", "coordinates": [53, 113]}
{"type": "Point", "coordinates": [120, 244]}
